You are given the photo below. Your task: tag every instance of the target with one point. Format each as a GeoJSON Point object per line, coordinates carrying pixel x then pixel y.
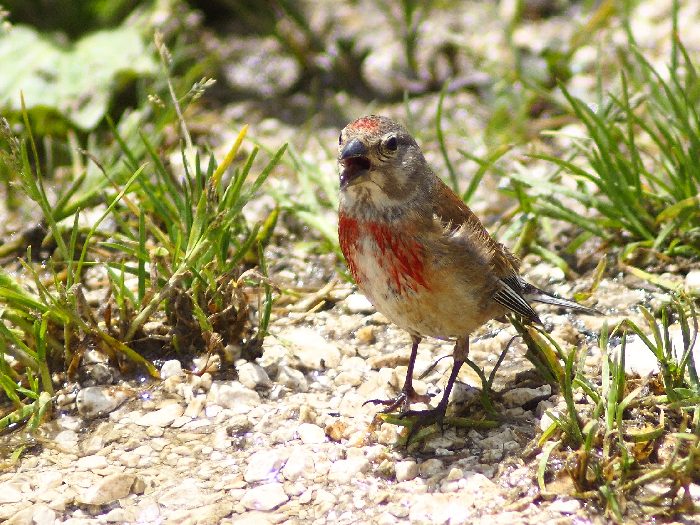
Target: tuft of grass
{"type": "Point", "coordinates": [636, 168]}
{"type": "Point", "coordinates": [629, 443]}
{"type": "Point", "coordinates": [169, 247]}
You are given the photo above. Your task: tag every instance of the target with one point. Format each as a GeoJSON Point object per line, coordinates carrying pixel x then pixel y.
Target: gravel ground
{"type": "Point", "coordinates": [289, 440]}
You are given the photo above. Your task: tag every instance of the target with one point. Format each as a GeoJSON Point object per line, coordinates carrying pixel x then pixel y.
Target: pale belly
{"type": "Point", "coordinates": [438, 305]}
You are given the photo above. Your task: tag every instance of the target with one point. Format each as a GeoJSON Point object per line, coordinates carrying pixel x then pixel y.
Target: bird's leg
{"type": "Point", "coordinates": [425, 418]}
{"type": "Point", "coordinates": [408, 394]}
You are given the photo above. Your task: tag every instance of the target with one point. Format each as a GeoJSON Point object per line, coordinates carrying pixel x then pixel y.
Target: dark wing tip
{"type": "Point", "coordinates": [533, 293]}
{"type": "Point", "coordinates": [515, 302]}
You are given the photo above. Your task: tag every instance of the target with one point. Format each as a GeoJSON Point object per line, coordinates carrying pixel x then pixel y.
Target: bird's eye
{"type": "Point", "coordinates": [391, 143]}
{"type": "Point", "coordinates": [340, 138]}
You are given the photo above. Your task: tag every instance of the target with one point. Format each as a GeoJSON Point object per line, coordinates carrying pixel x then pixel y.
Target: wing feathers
{"type": "Point", "coordinates": [513, 300]}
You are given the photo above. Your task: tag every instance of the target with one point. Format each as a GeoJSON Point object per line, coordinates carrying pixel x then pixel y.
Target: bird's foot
{"type": "Point", "coordinates": [402, 401]}
{"type": "Point", "coordinates": [419, 421]}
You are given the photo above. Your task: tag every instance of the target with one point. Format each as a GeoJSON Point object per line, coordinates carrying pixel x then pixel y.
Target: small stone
{"type": "Point", "coordinates": [107, 489]}
{"type": "Point", "coordinates": [92, 445]}
{"type": "Point", "coordinates": [387, 434]}
{"type": "Point", "coordinates": [311, 434]}
{"type": "Point", "coordinates": [694, 490]}
{"type": "Point", "coordinates": [195, 406]}
{"type": "Point", "coordinates": [49, 479]}
{"type": "Point", "coordinates": [129, 459]}
{"type": "Point", "coordinates": [406, 470]}
{"type": "Point", "coordinates": [546, 274]}
{"type": "Point", "coordinates": [10, 493]}
{"type": "Point", "coordinates": [252, 375]}
{"type": "Point", "coordinates": [311, 349]}
{"type": "Point", "coordinates": [692, 282]}
{"type": "Point", "coordinates": [43, 515]}
{"type": "Point", "coordinates": [390, 360]}
{"type": "Point", "coordinates": [97, 401]}
{"type": "Point", "coordinates": [154, 432]}
{"type": "Point", "coordinates": [18, 514]}
{"type": "Point", "coordinates": [365, 335]}
{"type": "Point", "coordinates": [264, 466]}
{"type": "Point", "coordinates": [186, 494]}
{"type": "Point", "coordinates": [59, 499]}
{"type": "Point", "coordinates": [139, 486]}
{"type": "Point", "coordinates": [345, 470]}
{"type": "Point", "coordinates": [350, 377]}
{"type": "Point", "coordinates": [171, 368]}
{"type": "Point", "coordinates": [565, 506]}
{"type": "Point", "coordinates": [454, 474]}
{"type": "Point", "coordinates": [397, 510]}
{"type": "Point", "coordinates": [356, 303]}
{"type": "Point", "coordinates": [91, 463]}
{"type": "Point", "coordinates": [324, 501]}
{"type": "Point", "coordinates": [292, 379]}
{"type": "Point", "coordinates": [67, 441]}
{"type": "Point", "coordinates": [234, 396]}
{"type": "Point", "coordinates": [518, 397]}
{"type": "Point", "coordinates": [265, 497]}
{"type": "Point", "coordinates": [430, 467]}
{"type": "Point", "coordinates": [162, 417]}
{"type": "Point", "coordinates": [639, 359]}
{"type": "Point", "coordinates": [299, 464]}
{"type": "Point", "coordinates": [117, 515]}
{"type": "Point", "coordinates": [336, 430]}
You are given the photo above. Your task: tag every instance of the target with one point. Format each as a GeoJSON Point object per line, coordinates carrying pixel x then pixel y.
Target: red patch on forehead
{"type": "Point", "coordinates": [367, 124]}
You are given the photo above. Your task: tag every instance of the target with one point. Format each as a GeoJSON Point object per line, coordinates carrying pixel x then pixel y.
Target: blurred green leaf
{"type": "Point", "coordinates": [75, 82]}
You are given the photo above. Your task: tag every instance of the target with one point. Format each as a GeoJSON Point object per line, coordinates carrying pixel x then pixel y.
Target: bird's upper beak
{"type": "Point", "coordinates": [354, 160]}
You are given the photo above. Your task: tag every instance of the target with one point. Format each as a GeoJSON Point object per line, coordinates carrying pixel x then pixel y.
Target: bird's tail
{"type": "Point", "coordinates": [532, 293]}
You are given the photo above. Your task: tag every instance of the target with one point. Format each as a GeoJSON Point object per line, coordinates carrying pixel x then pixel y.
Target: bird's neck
{"type": "Point", "coordinates": [371, 202]}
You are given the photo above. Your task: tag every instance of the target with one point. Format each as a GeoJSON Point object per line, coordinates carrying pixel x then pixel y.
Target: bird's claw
{"type": "Point", "coordinates": [402, 402]}
{"type": "Point", "coordinates": [424, 419]}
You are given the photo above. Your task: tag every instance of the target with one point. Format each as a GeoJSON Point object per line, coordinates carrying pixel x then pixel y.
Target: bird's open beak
{"type": "Point", "coordinates": [353, 158]}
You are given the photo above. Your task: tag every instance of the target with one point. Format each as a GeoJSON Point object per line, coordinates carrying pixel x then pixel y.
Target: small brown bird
{"type": "Point", "coordinates": [419, 253]}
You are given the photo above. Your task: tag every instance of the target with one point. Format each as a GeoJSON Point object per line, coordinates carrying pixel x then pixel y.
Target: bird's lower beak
{"type": "Point", "coordinates": [354, 161]}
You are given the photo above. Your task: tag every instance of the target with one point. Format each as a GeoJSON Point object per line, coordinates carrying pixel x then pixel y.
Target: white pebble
{"type": "Point", "coordinates": [264, 466]}
{"type": "Point", "coordinates": [299, 464]}
{"type": "Point", "coordinates": [234, 396]}
{"type": "Point", "coordinates": [311, 434]}
{"type": "Point", "coordinates": [292, 379]}
{"type": "Point", "coordinates": [265, 497]}
{"type": "Point", "coordinates": [252, 375]}
{"type": "Point", "coordinates": [96, 401]}
{"type": "Point", "coordinates": [356, 303]}
{"type": "Point", "coordinates": [692, 282]}
{"type": "Point", "coordinates": [311, 349]}
{"type": "Point", "coordinates": [430, 467]}
{"type": "Point", "coordinates": [171, 368]}
{"type": "Point", "coordinates": [91, 462]}
{"type": "Point", "coordinates": [565, 506]}
{"type": "Point", "coordinates": [162, 417]}
{"type": "Point", "coordinates": [107, 489]}
{"type": "Point", "coordinates": [406, 470]}
{"type": "Point", "coordinates": [345, 470]}
{"type": "Point", "coordinates": [518, 397]}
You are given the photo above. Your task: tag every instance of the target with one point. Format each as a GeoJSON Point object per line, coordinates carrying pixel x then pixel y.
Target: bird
{"type": "Point", "coordinates": [419, 253]}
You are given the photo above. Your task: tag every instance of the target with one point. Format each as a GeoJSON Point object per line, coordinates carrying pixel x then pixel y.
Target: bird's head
{"type": "Point", "coordinates": [380, 164]}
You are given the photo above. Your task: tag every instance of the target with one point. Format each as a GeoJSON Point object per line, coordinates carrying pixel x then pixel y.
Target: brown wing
{"type": "Point", "coordinates": [457, 216]}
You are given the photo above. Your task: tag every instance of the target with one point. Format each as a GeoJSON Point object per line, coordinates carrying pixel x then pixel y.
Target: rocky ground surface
{"type": "Point", "coordinates": [289, 440]}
